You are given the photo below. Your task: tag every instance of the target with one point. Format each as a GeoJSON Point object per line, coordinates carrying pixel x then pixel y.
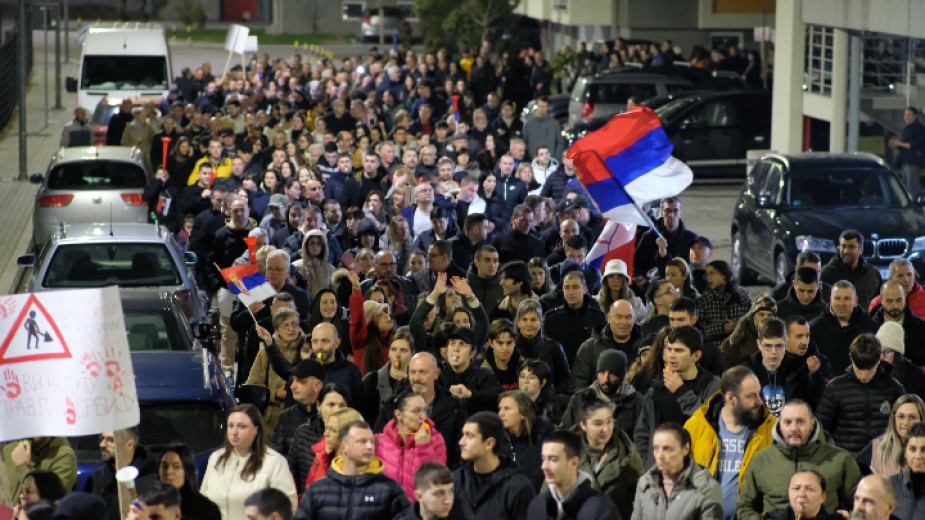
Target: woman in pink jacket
{"type": "Point", "coordinates": [409, 440]}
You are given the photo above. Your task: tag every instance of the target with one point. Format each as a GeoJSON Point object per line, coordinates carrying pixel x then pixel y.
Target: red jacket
{"type": "Point", "coordinates": [915, 301]}
{"type": "Point", "coordinates": [320, 465]}
{"type": "Point", "coordinates": [359, 332]}
{"type": "Point", "coordinates": [403, 457]}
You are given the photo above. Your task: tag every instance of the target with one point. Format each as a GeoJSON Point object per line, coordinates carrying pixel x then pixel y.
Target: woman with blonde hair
{"type": "Point", "coordinates": [326, 449]}
{"type": "Point", "coordinates": [884, 454]}
{"type": "Point", "coordinates": [398, 238]}
{"type": "Point", "coordinates": [525, 431]}
{"type": "Point", "coordinates": [615, 285]}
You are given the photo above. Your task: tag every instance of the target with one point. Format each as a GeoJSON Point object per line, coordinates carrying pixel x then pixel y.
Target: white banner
{"type": "Point", "coordinates": [236, 39]}
{"type": "Point", "coordinates": [65, 368]}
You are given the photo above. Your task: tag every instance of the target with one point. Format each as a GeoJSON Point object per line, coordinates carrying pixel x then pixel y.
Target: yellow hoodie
{"type": "Point", "coordinates": [375, 467]}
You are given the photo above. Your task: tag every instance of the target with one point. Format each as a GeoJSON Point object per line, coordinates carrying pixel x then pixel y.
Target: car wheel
{"type": "Point", "coordinates": [739, 270]}
{"type": "Point", "coordinates": [781, 267]}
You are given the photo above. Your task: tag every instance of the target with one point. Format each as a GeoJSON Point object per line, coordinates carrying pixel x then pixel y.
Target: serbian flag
{"type": "Point", "coordinates": [628, 162]}
{"type": "Point", "coordinates": [616, 241]}
{"type": "Point", "coordinates": [248, 283]}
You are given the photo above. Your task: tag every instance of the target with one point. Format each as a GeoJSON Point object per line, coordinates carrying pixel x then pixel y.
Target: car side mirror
{"type": "Point", "coordinates": [70, 83]}
{"type": "Point", "coordinates": [27, 260]}
{"type": "Point", "coordinates": [209, 336]}
{"type": "Point", "coordinates": [36, 178]}
{"type": "Point", "coordinates": [765, 201]}
{"type": "Point", "coordinates": [190, 258]}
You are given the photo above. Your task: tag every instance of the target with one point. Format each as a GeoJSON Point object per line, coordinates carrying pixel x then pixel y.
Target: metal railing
{"type": "Point", "coordinates": [817, 76]}
{"type": "Point", "coordinates": [9, 57]}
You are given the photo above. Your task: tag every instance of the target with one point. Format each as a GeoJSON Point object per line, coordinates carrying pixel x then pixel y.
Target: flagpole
{"type": "Point", "coordinates": [645, 216]}
{"type": "Point", "coordinates": [246, 307]}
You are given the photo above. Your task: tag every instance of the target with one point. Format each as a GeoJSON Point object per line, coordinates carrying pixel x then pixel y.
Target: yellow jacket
{"type": "Point", "coordinates": [222, 169]}
{"type": "Point", "coordinates": [704, 429]}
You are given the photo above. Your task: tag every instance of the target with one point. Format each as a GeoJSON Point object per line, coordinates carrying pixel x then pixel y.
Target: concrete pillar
{"type": "Point", "coordinates": [840, 44]}
{"type": "Point", "coordinates": [787, 101]}
{"type": "Point", "coordinates": [854, 91]}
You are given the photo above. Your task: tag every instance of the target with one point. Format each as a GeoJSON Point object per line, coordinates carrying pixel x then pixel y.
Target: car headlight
{"type": "Point", "coordinates": [919, 244]}
{"type": "Point", "coordinates": [811, 243]}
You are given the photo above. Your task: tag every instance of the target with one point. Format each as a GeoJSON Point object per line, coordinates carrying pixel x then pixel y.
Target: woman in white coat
{"type": "Point", "coordinates": [245, 465]}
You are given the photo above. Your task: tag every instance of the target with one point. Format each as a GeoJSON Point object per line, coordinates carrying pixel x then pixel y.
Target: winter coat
{"type": "Point", "coordinates": [448, 414]}
{"type": "Point", "coordinates": [715, 307]}
{"type": "Point", "coordinates": [402, 457]}
{"type": "Point", "coordinates": [854, 412]}
{"type": "Point", "coordinates": [303, 456]}
{"type": "Point", "coordinates": [790, 306]}
{"type": "Point", "coordinates": [583, 502]}
{"type": "Point", "coordinates": [526, 449]}
{"type": "Point", "coordinates": [679, 244]}
{"type": "Point", "coordinates": [380, 388]}
{"type": "Point", "coordinates": [556, 184]}
{"type": "Point", "coordinates": [320, 465]}
{"type": "Point", "coordinates": [50, 454]}
{"type": "Point", "coordinates": [767, 477]}
{"type": "Point", "coordinates": [627, 407]}
{"type": "Point", "coordinates": [482, 382]}
{"type": "Point", "coordinates": [224, 485]}
{"type": "Point", "coordinates": [792, 376]}
{"type": "Point", "coordinates": [614, 470]}
{"type": "Point", "coordinates": [264, 372]}
{"type": "Point", "coordinates": [226, 246]}
{"type": "Point", "coordinates": [487, 290]}
{"type": "Point", "coordinates": [506, 494]}
{"type": "Point", "coordinates": [584, 368]}
{"type": "Point", "coordinates": [102, 482]}
{"type": "Point", "coordinates": [907, 506]}
{"type": "Point", "coordinates": [788, 514]}
{"type": "Point", "coordinates": [915, 301]}
{"type": "Point", "coordinates": [833, 340]}
{"type": "Point", "coordinates": [550, 352]}
{"type": "Point", "coordinates": [513, 245]}
{"type": "Point", "coordinates": [704, 429]}
{"type": "Point", "coordinates": [913, 333]}
{"type": "Point", "coordinates": [696, 495]}
{"type": "Point", "coordinates": [908, 374]}
{"type": "Point", "coordinates": [196, 506]}
{"type": "Point", "coordinates": [544, 131]}
{"type": "Point", "coordinates": [661, 406]}
{"type": "Point", "coordinates": [864, 277]}
{"type": "Point", "coordinates": [571, 327]}
{"type": "Point", "coordinates": [370, 495]}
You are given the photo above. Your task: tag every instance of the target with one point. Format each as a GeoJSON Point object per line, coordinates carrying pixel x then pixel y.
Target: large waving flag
{"type": "Point", "coordinates": [247, 282]}
{"type": "Point", "coordinates": [616, 241]}
{"type": "Point", "coordinates": [628, 162]}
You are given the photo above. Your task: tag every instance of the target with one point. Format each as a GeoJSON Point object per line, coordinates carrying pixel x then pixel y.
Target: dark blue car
{"type": "Point", "coordinates": [181, 390]}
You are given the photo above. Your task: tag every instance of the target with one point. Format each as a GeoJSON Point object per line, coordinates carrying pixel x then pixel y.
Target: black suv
{"type": "Point", "coordinates": [791, 203]}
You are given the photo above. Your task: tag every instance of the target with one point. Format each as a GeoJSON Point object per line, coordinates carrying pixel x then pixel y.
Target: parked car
{"type": "Point", "coordinates": [102, 114]}
{"type": "Point", "coordinates": [178, 382]}
{"type": "Point", "coordinates": [558, 108]}
{"type": "Point", "coordinates": [792, 203]}
{"type": "Point", "coordinates": [87, 184]}
{"type": "Point", "coordinates": [605, 93]}
{"type": "Point", "coordinates": [126, 255]}
{"type": "Point", "coordinates": [395, 16]}
{"type": "Point", "coordinates": [710, 131]}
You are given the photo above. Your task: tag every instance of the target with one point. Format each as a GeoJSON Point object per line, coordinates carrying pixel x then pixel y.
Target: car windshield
{"type": "Point", "coordinates": [668, 111]}
{"type": "Point", "coordinates": [96, 175]}
{"type": "Point", "coordinates": [848, 188]}
{"type": "Point", "coordinates": [124, 73]}
{"type": "Point", "coordinates": [102, 264]}
{"type": "Point", "coordinates": [163, 424]}
{"type": "Point", "coordinates": [147, 330]}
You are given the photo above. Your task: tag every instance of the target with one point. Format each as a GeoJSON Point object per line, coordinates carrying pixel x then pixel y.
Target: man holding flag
{"type": "Point", "coordinates": [623, 165]}
{"type": "Point", "coordinates": [674, 240]}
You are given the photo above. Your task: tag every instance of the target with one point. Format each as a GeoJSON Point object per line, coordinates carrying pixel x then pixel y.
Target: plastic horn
{"type": "Point", "coordinates": [126, 476]}
{"type": "Point", "coordinates": [166, 141]}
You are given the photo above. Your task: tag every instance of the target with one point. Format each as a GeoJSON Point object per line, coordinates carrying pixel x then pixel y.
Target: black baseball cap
{"type": "Point", "coordinates": [463, 333]}
{"type": "Point", "coordinates": [308, 368]}
{"type": "Point", "coordinates": [702, 240]}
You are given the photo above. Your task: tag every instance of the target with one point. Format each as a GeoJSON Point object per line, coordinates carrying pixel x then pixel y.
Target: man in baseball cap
{"type": "Point", "coordinates": [478, 386]}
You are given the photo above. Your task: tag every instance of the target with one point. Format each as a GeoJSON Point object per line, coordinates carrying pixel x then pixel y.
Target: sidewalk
{"type": "Point", "coordinates": [17, 198]}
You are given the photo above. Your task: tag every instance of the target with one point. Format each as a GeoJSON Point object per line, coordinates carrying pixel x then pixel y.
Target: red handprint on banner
{"type": "Point", "coordinates": [11, 382]}
{"type": "Point", "coordinates": [70, 413]}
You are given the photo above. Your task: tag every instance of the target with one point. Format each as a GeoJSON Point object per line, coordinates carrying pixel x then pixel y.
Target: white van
{"type": "Point", "coordinates": [124, 60]}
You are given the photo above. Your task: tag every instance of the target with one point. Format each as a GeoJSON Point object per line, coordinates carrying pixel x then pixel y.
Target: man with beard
{"type": "Point", "coordinates": [894, 307]}
{"type": "Point", "coordinates": [611, 386]}
{"type": "Point", "coordinates": [849, 265]}
{"type": "Point", "coordinates": [875, 499]}
{"type": "Point", "coordinates": [729, 429]}
{"type": "Point", "coordinates": [103, 481]}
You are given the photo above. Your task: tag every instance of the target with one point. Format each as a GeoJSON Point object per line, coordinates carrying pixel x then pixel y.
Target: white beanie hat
{"type": "Point", "coordinates": [892, 336]}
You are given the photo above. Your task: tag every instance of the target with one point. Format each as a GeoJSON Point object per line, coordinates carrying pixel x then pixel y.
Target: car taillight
{"type": "Point", "coordinates": [132, 199]}
{"type": "Point", "coordinates": [367, 21]}
{"type": "Point", "coordinates": [586, 109]}
{"type": "Point", "coordinates": [55, 201]}
{"type": "Point", "coordinates": [185, 299]}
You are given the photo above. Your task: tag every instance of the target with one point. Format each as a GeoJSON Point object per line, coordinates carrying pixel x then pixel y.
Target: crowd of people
{"type": "Point", "coordinates": [440, 346]}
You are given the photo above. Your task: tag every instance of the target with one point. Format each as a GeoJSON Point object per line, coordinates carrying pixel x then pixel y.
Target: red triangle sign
{"type": "Point", "coordinates": [34, 336]}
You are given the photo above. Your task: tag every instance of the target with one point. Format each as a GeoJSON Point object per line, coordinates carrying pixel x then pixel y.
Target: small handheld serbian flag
{"type": "Point", "coordinates": [617, 241]}
{"type": "Point", "coordinates": [248, 283]}
{"type": "Point", "coordinates": [628, 162]}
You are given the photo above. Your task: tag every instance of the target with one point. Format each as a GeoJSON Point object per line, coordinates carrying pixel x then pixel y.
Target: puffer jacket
{"type": "Point", "coordinates": [833, 340]}
{"type": "Point", "coordinates": [704, 429]}
{"type": "Point", "coordinates": [614, 470]}
{"type": "Point", "coordinates": [627, 407]}
{"type": "Point", "coordinates": [302, 454]}
{"type": "Point", "coordinates": [790, 305]}
{"type": "Point", "coordinates": [370, 495]}
{"type": "Point", "coordinates": [907, 506]}
{"type": "Point", "coordinates": [582, 502]}
{"type": "Point", "coordinates": [320, 465]}
{"type": "Point", "coordinates": [854, 412]}
{"type": "Point", "coordinates": [584, 369]}
{"type": "Point", "coordinates": [506, 495]}
{"type": "Point", "coordinates": [696, 495]}
{"type": "Point", "coordinates": [402, 457]}
{"type": "Point", "coordinates": [571, 327]}
{"type": "Point", "coordinates": [661, 406]}
{"type": "Point", "coordinates": [767, 477]}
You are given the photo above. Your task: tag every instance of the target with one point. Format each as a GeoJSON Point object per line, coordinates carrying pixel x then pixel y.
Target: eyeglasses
{"type": "Point", "coordinates": [415, 411]}
{"type": "Point", "coordinates": [289, 325]}
{"type": "Point", "coordinates": [670, 291]}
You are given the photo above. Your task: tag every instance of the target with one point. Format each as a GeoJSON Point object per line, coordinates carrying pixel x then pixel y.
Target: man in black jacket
{"type": "Point", "coordinates": [804, 296]}
{"type": "Point", "coordinates": [489, 484]}
{"type": "Point", "coordinates": [466, 380]}
{"type": "Point", "coordinates": [570, 495]}
{"type": "Point", "coordinates": [569, 324]}
{"type": "Point", "coordinates": [800, 346]}
{"type": "Point", "coordinates": [782, 376]}
{"type": "Point", "coordinates": [355, 486]}
{"type": "Point", "coordinates": [855, 406]}
{"type": "Point", "coordinates": [894, 307]}
{"type": "Point", "coordinates": [619, 333]}
{"type": "Point", "coordinates": [473, 235]}
{"type": "Point", "coordinates": [103, 481]}
{"type": "Point", "coordinates": [849, 264]}
{"type": "Point", "coordinates": [675, 239]}
{"type": "Point", "coordinates": [842, 321]}
{"type": "Point", "coordinates": [516, 243]}
{"type": "Point", "coordinates": [804, 259]}
{"type": "Point", "coordinates": [307, 379]}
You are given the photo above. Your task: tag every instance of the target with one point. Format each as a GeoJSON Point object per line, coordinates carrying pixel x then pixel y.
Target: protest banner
{"type": "Point", "coordinates": [65, 369]}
